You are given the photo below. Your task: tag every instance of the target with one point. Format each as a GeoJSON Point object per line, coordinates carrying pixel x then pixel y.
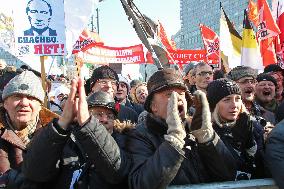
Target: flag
{"type": "Point", "coordinates": [253, 12]}
{"type": "Point", "coordinates": [267, 30]}
{"type": "Point", "coordinates": [211, 43]}
{"type": "Point", "coordinates": [278, 15]}
{"type": "Point", "coordinates": [230, 41]}
{"type": "Point", "coordinates": [77, 16]}
{"type": "Point", "coordinates": [164, 38]}
{"type": "Point", "coordinates": [250, 51]}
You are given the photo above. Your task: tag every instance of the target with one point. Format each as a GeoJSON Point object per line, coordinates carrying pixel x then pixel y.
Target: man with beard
{"type": "Point", "coordinates": [203, 75]}
{"type": "Point", "coordinates": [266, 91]}
{"type": "Point", "coordinates": [245, 77]}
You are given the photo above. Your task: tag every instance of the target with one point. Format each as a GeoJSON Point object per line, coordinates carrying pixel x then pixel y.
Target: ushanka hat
{"type": "Point", "coordinates": [161, 80]}
{"type": "Point", "coordinates": [26, 83]}
{"type": "Point", "coordinates": [219, 89]}
{"type": "Point", "coordinates": [242, 71]}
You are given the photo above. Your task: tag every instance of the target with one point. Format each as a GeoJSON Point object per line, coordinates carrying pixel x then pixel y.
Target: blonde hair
{"type": "Point", "coordinates": [133, 95]}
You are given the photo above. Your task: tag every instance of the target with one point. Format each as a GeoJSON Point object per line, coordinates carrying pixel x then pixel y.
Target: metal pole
{"type": "Point", "coordinates": [98, 21]}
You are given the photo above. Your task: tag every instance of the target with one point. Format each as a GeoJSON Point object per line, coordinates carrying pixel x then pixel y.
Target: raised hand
{"type": "Point", "coordinates": [69, 111]}
{"type": "Point", "coordinates": [83, 113]}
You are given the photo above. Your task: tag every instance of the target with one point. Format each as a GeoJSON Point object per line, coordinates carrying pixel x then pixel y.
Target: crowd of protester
{"type": "Point", "coordinates": [111, 132]}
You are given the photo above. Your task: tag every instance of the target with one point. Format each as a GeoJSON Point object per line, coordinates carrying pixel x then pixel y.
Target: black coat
{"type": "Point", "coordinates": [53, 157]}
{"type": "Point", "coordinates": [157, 164]}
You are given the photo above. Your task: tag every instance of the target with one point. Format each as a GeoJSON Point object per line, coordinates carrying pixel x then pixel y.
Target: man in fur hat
{"type": "Point", "coordinates": [163, 152]}
{"type": "Point", "coordinates": [20, 116]}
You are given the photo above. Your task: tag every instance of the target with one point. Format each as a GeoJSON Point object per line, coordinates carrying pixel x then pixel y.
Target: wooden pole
{"type": "Point", "coordinates": [43, 80]}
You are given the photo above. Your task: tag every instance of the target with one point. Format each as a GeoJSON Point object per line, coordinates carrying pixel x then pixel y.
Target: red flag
{"type": "Point", "coordinates": [278, 11]}
{"type": "Point", "coordinates": [253, 12]}
{"type": "Point", "coordinates": [163, 37]}
{"type": "Point", "coordinates": [211, 43]}
{"type": "Point", "coordinates": [267, 31]}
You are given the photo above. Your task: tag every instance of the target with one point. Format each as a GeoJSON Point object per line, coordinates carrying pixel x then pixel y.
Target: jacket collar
{"type": "Point", "coordinates": [7, 134]}
{"type": "Point", "coordinates": [156, 125]}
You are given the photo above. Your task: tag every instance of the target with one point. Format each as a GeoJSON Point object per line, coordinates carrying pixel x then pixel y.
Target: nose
{"type": "Point", "coordinates": [24, 101]}
{"type": "Point", "coordinates": [103, 119]}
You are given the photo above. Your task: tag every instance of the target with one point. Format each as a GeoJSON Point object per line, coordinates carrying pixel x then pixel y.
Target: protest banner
{"type": "Point", "coordinates": [105, 55]}
{"type": "Point", "coordinates": [186, 56]}
{"type": "Point", "coordinates": [39, 27]}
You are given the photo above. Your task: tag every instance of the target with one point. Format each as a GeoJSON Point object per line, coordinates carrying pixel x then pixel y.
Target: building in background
{"type": "Point", "coordinates": [193, 12]}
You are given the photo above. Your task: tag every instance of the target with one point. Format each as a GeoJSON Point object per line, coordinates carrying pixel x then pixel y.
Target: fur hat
{"type": "Point", "coordinates": [26, 83]}
{"type": "Point", "coordinates": [103, 72]}
{"type": "Point", "coordinates": [161, 80]}
{"type": "Point", "coordinates": [102, 99]}
{"type": "Point", "coordinates": [272, 68]}
{"type": "Point", "coordinates": [219, 89]}
{"type": "Point", "coordinates": [242, 71]}
{"type": "Point", "coordinates": [266, 77]}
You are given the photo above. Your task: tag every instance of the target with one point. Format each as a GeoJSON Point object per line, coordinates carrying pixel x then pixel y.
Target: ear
{"type": "Point", "coordinates": [153, 106]}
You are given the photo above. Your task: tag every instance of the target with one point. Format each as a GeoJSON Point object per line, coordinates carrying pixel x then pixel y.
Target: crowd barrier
{"type": "Point", "coordinates": [244, 184]}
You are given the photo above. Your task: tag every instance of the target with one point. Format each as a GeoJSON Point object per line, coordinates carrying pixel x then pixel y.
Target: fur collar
{"type": "Point", "coordinates": [122, 127]}
{"type": "Point", "coordinates": [156, 125]}
{"type": "Point", "coordinates": [45, 116]}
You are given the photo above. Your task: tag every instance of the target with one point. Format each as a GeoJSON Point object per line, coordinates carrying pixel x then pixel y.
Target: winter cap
{"type": "Point", "coordinates": [123, 79]}
{"type": "Point", "coordinates": [272, 68]}
{"type": "Point", "coordinates": [188, 67]}
{"type": "Point", "coordinates": [220, 88]}
{"type": "Point", "coordinates": [242, 71]}
{"type": "Point", "coordinates": [102, 99]}
{"type": "Point", "coordinates": [266, 77]}
{"type": "Point", "coordinates": [103, 72]}
{"type": "Point", "coordinates": [26, 83]}
{"type": "Point", "coordinates": [62, 90]}
{"type": "Point", "coordinates": [161, 80]}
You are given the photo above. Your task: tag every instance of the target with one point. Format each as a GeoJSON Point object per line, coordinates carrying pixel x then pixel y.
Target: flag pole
{"type": "Point", "coordinates": [43, 80]}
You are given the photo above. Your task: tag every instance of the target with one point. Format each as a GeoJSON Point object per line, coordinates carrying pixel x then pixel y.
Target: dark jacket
{"type": "Point", "coordinates": [12, 150]}
{"type": "Point", "coordinates": [138, 108]}
{"type": "Point", "coordinates": [157, 163]}
{"type": "Point", "coordinates": [90, 148]}
{"type": "Point", "coordinates": [275, 153]}
{"type": "Point", "coordinates": [126, 114]}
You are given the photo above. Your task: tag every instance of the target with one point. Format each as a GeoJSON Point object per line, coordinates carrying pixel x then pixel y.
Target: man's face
{"type": "Point", "coordinates": [22, 110]}
{"type": "Point", "coordinates": [39, 14]}
{"type": "Point", "coordinates": [265, 91]}
{"type": "Point", "coordinates": [204, 75]}
{"type": "Point", "coordinates": [141, 93]}
{"type": "Point", "coordinates": [121, 93]}
{"type": "Point", "coordinates": [105, 117]}
{"type": "Point", "coordinates": [247, 86]}
{"type": "Point", "coordinates": [105, 85]}
{"type": "Point", "coordinates": [160, 102]}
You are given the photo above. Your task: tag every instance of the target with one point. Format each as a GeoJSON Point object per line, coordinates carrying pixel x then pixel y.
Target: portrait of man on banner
{"type": "Point", "coordinates": [39, 14]}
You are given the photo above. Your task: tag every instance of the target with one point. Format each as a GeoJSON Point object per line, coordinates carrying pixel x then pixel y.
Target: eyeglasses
{"type": "Point", "coordinates": [204, 73]}
{"type": "Point", "coordinates": [247, 81]}
{"type": "Point", "coordinates": [100, 115]}
{"type": "Point", "coordinates": [105, 82]}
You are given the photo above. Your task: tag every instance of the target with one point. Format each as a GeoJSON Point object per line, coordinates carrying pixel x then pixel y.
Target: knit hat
{"type": "Point", "coordinates": [26, 83]}
{"type": "Point", "coordinates": [220, 88]}
{"type": "Point", "coordinates": [240, 72]}
{"type": "Point", "coordinates": [161, 80]}
{"type": "Point", "coordinates": [266, 77]}
{"type": "Point", "coordinates": [103, 72]}
{"type": "Point", "coordinates": [272, 68]}
{"type": "Point", "coordinates": [62, 90]}
{"type": "Point", "coordinates": [102, 99]}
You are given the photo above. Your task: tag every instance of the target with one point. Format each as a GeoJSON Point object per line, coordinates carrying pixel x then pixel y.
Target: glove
{"type": "Point", "coordinates": [201, 125]}
{"type": "Point", "coordinates": [175, 133]}
{"type": "Point", "coordinates": [243, 132]}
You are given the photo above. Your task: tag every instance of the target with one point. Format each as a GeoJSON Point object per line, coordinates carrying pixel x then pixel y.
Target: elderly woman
{"type": "Point", "coordinates": [233, 125]}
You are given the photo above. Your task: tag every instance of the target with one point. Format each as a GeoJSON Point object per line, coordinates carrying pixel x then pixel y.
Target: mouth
{"type": "Point", "coordinates": [266, 93]}
{"type": "Point", "coordinates": [248, 91]}
{"type": "Point", "coordinates": [23, 111]}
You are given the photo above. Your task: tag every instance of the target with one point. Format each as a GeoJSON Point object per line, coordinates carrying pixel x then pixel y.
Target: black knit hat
{"type": "Point", "coordinates": [103, 72]}
{"type": "Point", "coordinates": [266, 77]}
{"type": "Point", "coordinates": [161, 80]}
{"type": "Point", "coordinates": [272, 68]}
{"type": "Point", "coordinates": [101, 99]}
{"type": "Point", "coordinates": [219, 89]}
{"type": "Point", "coordinates": [242, 71]}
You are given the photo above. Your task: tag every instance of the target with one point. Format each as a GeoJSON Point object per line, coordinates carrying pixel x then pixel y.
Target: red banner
{"type": "Point", "coordinates": [104, 55]}
{"type": "Point", "coordinates": [186, 56]}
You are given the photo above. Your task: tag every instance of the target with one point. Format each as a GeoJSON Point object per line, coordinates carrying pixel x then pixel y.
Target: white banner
{"type": "Point", "coordinates": [39, 27]}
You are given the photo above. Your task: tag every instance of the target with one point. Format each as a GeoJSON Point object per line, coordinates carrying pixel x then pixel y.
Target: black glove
{"type": "Point", "coordinates": [243, 131]}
